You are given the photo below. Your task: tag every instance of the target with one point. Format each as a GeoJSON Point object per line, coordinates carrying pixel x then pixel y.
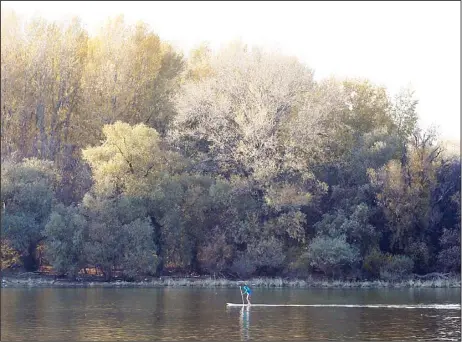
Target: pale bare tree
{"type": "Point", "coordinates": [257, 114]}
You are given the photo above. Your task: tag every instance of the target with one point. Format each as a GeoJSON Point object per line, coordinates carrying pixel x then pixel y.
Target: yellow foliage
{"type": "Point", "coordinates": [9, 256]}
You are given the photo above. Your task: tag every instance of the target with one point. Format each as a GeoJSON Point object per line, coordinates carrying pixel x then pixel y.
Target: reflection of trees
{"type": "Point", "coordinates": [389, 324]}
{"type": "Point", "coordinates": [244, 322]}
{"type": "Point", "coordinates": [318, 323]}
{"type": "Point", "coordinates": [107, 314]}
{"type": "Point", "coordinates": [34, 314]}
{"type": "Point", "coordinates": [20, 309]}
{"type": "Point", "coordinates": [166, 313]}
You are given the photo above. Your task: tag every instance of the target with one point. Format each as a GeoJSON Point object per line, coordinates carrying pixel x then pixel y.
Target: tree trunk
{"type": "Point", "coordinates": [40, 113]}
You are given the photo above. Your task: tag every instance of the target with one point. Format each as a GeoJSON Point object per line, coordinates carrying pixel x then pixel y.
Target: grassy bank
{"type": "Point", "coordinates": [43, 281]}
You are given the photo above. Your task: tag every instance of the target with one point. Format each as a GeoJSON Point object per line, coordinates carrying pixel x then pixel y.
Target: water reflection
{"type": "Point", "coordinates": [165, 314]}
{"type": "Point", "coordinates": [244, 321]}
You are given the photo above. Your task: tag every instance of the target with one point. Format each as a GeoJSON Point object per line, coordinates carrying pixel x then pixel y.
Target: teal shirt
{"type": "Point", "coordinates": [247, 290]}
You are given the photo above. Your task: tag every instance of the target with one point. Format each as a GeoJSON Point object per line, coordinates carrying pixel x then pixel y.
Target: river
{"type": "Point", "coordinates": [97, 314]}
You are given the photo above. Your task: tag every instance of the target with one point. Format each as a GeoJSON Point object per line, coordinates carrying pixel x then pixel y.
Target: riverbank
{"type": "Point", "coordinates": [34, 280]}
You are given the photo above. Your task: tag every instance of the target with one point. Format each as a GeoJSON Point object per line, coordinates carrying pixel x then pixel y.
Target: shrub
{"type": "Point", "coordinates": [297, 265]}
{"type": "Point", "coordinates": [332, 256]}
{"type": "Point", "coordinates": [263, 256]}
{"type": "Point", "coordinates": [215, 254]}
{"type": "Point", "coordinates": [139, 255]}
{"type": "Point", "coordinates": [449, 256]}
{"type": "Point", "coordinates": [243, 266]}
{"type": "Point", "coordinates": [119, 236]}
{"type": "Point", "coordinates": [267, 253]}
{"type": "Point", "coordinates": [449, 259]}
{"type": "Point", "coordinates": [373, 262]}
{"type": "Point", "coordinates": [396, 267]}
{"type": "Point", "coordinates": [419, 253]}
{"type": "Point", "coordinates": [65, 233]}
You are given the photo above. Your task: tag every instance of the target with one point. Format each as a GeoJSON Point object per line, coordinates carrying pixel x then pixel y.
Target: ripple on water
{"type": "Point", "coordinates": [164, 315]}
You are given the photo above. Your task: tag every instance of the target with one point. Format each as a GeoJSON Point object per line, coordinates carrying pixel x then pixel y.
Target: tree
{"type": "Point", "coordinates": [405, 196]}
{"type": "Point", "coordinates": [199, 63]}
{"type": "Point", "coordinates": [131, 76]}
{"type": "Point", "coordinates": [238, 121]}
{"type": "Point", "coordinates": [404, 115]}
{"type": "Point", "coordinates": [66, 234]}
{"type": "Point", "coordinates": [28, 194]}
{"type": "Point", "coordinates": [355, 228]}
{"type": "Point", "coordinates": [396, 267]}
{"type": "Point", "coordinates": [42, 67]}
{"type": "Point", "coordinates": [130, 160]}
{"type": "Point", "coordinates": [332, 256]}
{"type": "Point", "coordinates": [449, 256]}
{"type": "Point", "coordinates": [120, 236]}
{"type": "Point", "coordinates": [181, 210]}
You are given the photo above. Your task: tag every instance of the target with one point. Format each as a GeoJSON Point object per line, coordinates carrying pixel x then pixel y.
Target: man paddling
{"type": "Point", "coordinates": [248, 292]}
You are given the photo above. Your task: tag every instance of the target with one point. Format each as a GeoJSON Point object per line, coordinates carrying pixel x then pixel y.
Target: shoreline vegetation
{"type": "Point", "coordinates": [121, 154]}
{"type": "Point", "coordinates": [29, 279]}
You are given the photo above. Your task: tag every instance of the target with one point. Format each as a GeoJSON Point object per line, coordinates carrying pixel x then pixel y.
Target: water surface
{"type": "Point", "coordinates": [96, 314]}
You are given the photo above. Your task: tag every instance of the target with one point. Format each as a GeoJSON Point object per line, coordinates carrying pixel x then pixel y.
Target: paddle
{"type": "Point", "coordinates": [242, 295]}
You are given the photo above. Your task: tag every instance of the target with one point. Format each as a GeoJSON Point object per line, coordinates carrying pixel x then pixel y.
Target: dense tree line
{"type": "Point", "coordinates": [122, 154]}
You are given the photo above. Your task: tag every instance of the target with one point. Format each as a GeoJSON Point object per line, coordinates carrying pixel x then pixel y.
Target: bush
{"type": "Point", "coordinates": [419, 253]}
{"type": "Point", "coordinates": [297, 264]}
{"type": "Point", "coordinates": [243, 266]}
{"type": "Point", "coordinates": [119, 236]}
{"type": "Point", "coordinates": [373, 262]}
{"type": "Point", "coordinates": [263, 257]}
{"type": "Point", "coordinates": [139, 255]}
{"type": "Point", "coordinates": [65, 233]}
{"type": "Point", "coordinates": [28, 194]}
{"type": "Point", "coordinates": [449, 259]}
{"type": "Point", "coordinates": [333, 256]}
{"type": "Point", "coordinates": [449, 256]}
{"type": "Point", "coordinates": [396, 267]}
{"type": "Point", "coordinates": [268, 254]}
{"type": "Point", "coordinates": [215, 254]}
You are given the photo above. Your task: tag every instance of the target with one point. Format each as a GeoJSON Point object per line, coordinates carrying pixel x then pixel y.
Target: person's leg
{"type": "Point", "coordinates": [248, 298]}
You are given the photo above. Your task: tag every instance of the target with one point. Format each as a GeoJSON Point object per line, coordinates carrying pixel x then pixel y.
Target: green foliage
{"type": "Point", "coordinates": [139, 254]}
{"type": "Point", "coordinates": [66, 235]}
{"type": "Point", "coordinates": [420, 255]}
{"type": "Point", "coordinates": [449, 256]}
{"type": "Point", "coordinates": [288, 226]}
{"type": "Point", "coordinates": [129, 160]}
{"type": "Point", "coordinates": [243, 266]}
{"type": "Point", "coordinates": [449, 259]}
{"type": "Point", "coordinates": [373, 262]}
{"type": "Point", "coordinates": [356, 228]}
{"type": "Point", "coordinates": [404, 114]}
{"type": "Point", "coordinates": [396, 267]}
{"type": "Point", "coordinates": [267, 254]}
{"type": "Point", "coordinates": [215, 255]}
{"type": "Point", "coordinates": [181, 211]}
{"type": "Point", "coordinates": [406, 189]}
{"type": "Point", "coordinates": [28, 193]}
{"type": "Point", "coordinates": [120, 235]}
{"type": "Point", "coordinates": [234, 162]}
{"type": "Point", "coordinates": [332, 255]}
